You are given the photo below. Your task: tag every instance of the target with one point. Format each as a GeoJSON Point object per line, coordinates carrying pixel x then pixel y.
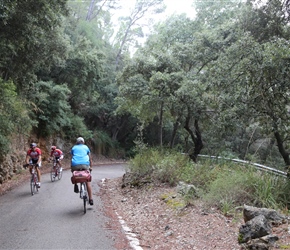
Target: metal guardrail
{"type": "Point", "coordinates": [259, 166]}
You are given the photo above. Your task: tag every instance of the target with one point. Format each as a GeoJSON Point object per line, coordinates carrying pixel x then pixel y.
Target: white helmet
{"type": "Point", "coordinates": [80, 140]}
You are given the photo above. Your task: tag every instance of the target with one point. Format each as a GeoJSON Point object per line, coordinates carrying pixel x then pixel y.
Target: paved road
{"type": "Point", "coordinates": [54, 218]}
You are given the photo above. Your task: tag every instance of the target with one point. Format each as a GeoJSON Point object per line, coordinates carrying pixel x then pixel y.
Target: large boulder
{"type": "Point", "coordinates": [254, 228]}
{"type": "Point", "coordinates": [271, 215]}
{"type": "Point", "coordinates": [256, 233]}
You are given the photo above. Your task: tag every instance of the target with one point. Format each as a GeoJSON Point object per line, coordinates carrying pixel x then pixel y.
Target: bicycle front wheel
{"type": "Point", "coordinates": [35, 182]}
{"type": "Point", "coordinates": [52, 174]}
{"type": "Point", "coordinates": [59, 174]}
{"type": "Point", "coordinates": [33, 185]}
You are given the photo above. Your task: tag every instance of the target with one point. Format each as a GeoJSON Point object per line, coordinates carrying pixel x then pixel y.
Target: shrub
{"type": "Point", "coordinates": [14, 116]}
{"type": "Point", "coordinates": [224, 185]}
{"type": "Point", "coordinates": [231, 186]}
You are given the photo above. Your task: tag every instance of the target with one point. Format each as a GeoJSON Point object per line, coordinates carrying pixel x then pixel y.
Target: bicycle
{"type": "Point", "coordinates": [56, 171]}
{"type": "Point", "coordinates": [84, 194]}
{"type": "Point", "coordinates": [82, 177]}
{"type": "Point", "coordinates": [34, 179]}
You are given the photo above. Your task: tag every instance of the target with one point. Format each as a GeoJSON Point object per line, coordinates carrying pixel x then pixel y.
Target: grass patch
{"type": "Point", "coordinates": [224, 185]}
{"type": "Point", "coordinates": [172, 201]}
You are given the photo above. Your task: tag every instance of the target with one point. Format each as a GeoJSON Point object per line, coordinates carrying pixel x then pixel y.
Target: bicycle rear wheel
{"type": "Point", "coordinates": [85, 197]}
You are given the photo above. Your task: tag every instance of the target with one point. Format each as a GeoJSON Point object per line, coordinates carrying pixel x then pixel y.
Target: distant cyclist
{"type": "Point", "coordinates": [33, 156]}
{"type": "Point", "coordinates": [81, 160]}
{"type": "Point", "coordinates": [56, 154]}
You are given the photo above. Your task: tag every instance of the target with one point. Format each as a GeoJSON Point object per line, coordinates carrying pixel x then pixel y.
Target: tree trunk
{"type": "Point", "coordinates": [161, 125]}
{"type": "Point", "coordinates": [90, 10]}
{"type": "Point", "coordinates": [195, 136]}
{"type": "Point", "coordinates": [281, 148]}
{"type": "Point", "coordinates": [174, 132]}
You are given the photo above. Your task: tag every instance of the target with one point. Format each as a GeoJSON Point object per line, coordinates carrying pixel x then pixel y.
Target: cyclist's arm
{"type": "Point", "coordinates": [61, 155]}
{"type": "Point", "coordinates": [27, 159]}
{"type": "Point", "coordinates": [91, 161]}
{"type": "Point", "coordinates": [39, 160]}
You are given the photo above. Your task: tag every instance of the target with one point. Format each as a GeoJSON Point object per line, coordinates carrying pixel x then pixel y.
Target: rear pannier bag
{"type": "Point", "coordinates": [81, 176]}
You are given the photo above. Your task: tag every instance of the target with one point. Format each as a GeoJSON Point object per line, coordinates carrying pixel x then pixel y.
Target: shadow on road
{"type": "Point", "coordinates": [76, 212]}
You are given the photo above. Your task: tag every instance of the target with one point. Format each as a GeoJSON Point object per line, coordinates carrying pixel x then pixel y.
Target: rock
{"type": "Point", "coordinates": [187, 189]}
{"type": "Point", "coordinates": [263, 243]}
{"type": "Point", "coordinates": [169, 233]}
{"type": "Point", "coordinates": [254, 228]}
{"type": "Point", "coordinates": [256, 233]}
{"type": "Point", "coordinates": [271, 215]}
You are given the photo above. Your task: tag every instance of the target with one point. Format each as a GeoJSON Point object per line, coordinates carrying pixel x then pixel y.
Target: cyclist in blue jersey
{"type": "Point", "coordinates": [81, 159]}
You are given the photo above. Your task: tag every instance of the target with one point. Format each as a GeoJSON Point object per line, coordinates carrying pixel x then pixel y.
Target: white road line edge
{"type": "Point", "coordinates": [134, 242]}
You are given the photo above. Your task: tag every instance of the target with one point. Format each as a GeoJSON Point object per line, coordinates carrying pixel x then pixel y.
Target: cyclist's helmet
{"type": "Point", "coordinates": [53, 147]}
{"type": "Point", "coordinates": [80, 140]}
{"type": "Point", "coordinates": [33, 145]}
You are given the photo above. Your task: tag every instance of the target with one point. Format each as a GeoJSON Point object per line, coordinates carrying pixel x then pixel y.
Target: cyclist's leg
{"type": "Point", "coordinates": [59, 161]}
{"type": "Point", "coordinates": [30, 169]}
{"type": "Point", "coordinates": [54, 163]}
{"type": "Point", "coordinates": [89, 188]}
{"type": "Point", "coordinates": [75, 168]}
{"type": "Point", "coordinates": [38, 172]}
{"type": "Point", "coordinates": [81, 167]}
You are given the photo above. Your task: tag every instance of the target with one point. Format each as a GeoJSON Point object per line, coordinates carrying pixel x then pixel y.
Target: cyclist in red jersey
{"type": "Point", "coordinates": [57, 154]}
{"type": "Point", "coordinates": [33, 156]}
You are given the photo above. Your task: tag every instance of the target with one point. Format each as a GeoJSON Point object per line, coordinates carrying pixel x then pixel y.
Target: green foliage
{"type": "Point", "coordinates": [234, 186]}
{"type": "Point", "coordinates": [13, 115]}
{"type": "Point", "coordinates": [230, 186]}
{"type": "Point", "coordinates": [223, 185]}
{"type": "Point", "coordinates": [224, 76]}
{"type": "Point", "coordinates": [144, 164]}
{"type": "Point", "coordinates": [57, 65]}
{"type": "Point", "coordinates": [202, 174]}
{"type": "Point", "coordinates": [76, 128]}
{"type": "Point", "coordinates": [173, 168]}
{"type": "Point", "coordinates": [130, 28]}
{"type": "Point", "coordinates": [161, 165]}
{"type": "Point", "coordinates": [266, 191]}
{"type": "Point", "coordinates": [219, 72]}
{"type": "Point", "coordinates": [53, 109]}
{"type": "Point", "coordinates": [104, 145]}
{"type": "Point", "coordinates": [140, 146]}
{"type": "Point", "coordinates": [36, 41]}
{"type": "Point", "coordinates": [81, 73]}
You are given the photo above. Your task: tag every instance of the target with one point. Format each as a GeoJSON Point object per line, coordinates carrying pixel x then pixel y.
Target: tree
{"type": "Point", "coordinates": [251, 72]}
{"type": "Point", "coordinates": [30, 38]}
{"type": "Point", "coordinates": [14, 117]}
{"type": "Point", "coordinates": [160, 79]}
{"type": "Point", "coordinates": [130, 29]}
{"type": "Point", "coordinates": [53, 110]}
{"type": "Point", "coordinates": [272, 101]}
